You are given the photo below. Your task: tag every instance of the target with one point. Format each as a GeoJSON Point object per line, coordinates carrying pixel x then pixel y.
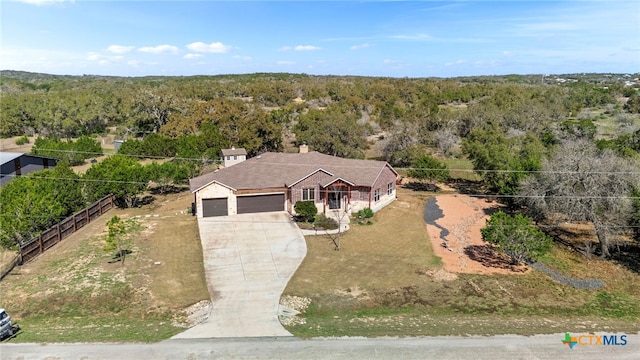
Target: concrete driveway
{"type": "Point", "coordinates": [248, 261]}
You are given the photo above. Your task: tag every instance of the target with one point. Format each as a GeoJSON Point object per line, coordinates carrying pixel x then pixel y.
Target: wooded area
{"type": "Point", "coordinates": [510, 127]}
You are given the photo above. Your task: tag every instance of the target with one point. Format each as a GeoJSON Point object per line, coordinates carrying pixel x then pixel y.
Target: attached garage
{"type": "Point", "coordinates": [214, 207]}
{"type": "Point", "coordinates": [260, 203]}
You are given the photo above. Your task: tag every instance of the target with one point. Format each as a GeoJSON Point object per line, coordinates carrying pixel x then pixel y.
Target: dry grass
{"type": "Point", "coordinates": [379, 256]}
{"type": "Point", "coordinates": [72, 287]}
{"type": "Point", "coordinates": [386, 281]}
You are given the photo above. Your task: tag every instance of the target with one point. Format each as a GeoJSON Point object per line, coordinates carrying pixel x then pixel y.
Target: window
{"type": "Point", "coordinates": [235, 157]}
{"type": "Point", "coordinates": [308, 194]}
{"type": "Point", "coordinates": [228, 157]}
{"type": "Point", "coordinates": [389, 188]}
{"type": "Point", "coordinates": [376, 195]}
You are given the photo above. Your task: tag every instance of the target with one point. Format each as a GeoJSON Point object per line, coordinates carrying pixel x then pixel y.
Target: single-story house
{"type": "Point", "coordinates": [276, 181]}
{"type": "Point", "coordinates": [14, 164]}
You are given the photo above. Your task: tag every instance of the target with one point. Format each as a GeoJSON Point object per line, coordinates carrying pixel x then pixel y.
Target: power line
{"type": "Point", "coordinates": [363, 167]}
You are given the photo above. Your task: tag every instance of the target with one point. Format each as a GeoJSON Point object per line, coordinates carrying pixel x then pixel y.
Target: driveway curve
{"type": "Point", "coordinates": [248, 261]}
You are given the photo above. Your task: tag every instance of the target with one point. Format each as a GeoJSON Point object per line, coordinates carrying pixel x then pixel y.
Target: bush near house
{"type": "Point", "coordinates": [306, 210]}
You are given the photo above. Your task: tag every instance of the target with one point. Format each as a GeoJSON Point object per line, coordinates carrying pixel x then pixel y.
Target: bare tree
{"type": "Point", "coordinates": [579, 183]}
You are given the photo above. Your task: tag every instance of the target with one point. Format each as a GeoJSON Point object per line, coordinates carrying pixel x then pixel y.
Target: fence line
{"type": "Point", "coordinates": [63, 229]}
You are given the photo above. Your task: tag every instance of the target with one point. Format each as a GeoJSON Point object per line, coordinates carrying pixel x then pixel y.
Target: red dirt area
{"type": "Point", "coordinates": [456, 237]}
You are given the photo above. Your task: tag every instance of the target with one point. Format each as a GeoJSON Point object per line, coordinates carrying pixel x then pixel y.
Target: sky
{"type": "Point", "coordinates": [368, 38]}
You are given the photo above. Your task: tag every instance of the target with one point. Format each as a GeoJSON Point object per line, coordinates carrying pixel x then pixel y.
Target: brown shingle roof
{"type": "Point", "coordinates": [234, 151]}
{"type": "Point", "coordinates": [273, 170]}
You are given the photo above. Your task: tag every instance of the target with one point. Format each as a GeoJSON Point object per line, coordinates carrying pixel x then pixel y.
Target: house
{"type": "Point", "coordinates": [276, 181]}
{"type": "Point", "coordinates": [233, 156]}
{"type": "Point", "coordinates": [14, 164]}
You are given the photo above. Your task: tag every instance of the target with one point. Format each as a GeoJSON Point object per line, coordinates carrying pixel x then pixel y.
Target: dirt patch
{"type": "Point", "coordinates": [453, 223]}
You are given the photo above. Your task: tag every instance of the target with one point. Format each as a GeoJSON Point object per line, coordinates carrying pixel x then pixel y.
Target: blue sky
{"type": "Point", "coordinates": [371, 38]}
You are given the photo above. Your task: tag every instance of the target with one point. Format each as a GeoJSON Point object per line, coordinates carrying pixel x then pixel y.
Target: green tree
{"type": "Point", "coordinates": [516, 237]}
{"type": "Point", "coordinates": [332, 131]}
{"type": "Point", "coordinates": [633, 104]}
{"type": "Point", "coordinates": [503, 161]}
{"type": "Point", "coordinates": [117, 230]}
{"type": "Point", "coordinates": [33, 203]}
{"type": "Point", "coordinates": [307, 210]}
{"type": "Point", "coordinates": [428, 168]}
{"type": "Point", "coordinates": [119, 175]}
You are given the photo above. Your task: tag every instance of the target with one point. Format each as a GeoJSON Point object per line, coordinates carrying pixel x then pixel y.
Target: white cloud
{"type": "Point", "coordinates": [457, 62]}
{"type": "Point", "coordinates": [192, 56]}
{"type": "Point", "coordinates": [360, 46]}
{"type": "Point", "coordinates": [243, 58]}
{"type": "Point", "coordinates": [284, 62]}
{"type": "Point", "coordinates": [103, 59]}
{"type": "Point", "coordinates": [306, 48]}
{"type": "Point", "coordinates": [214, 47]}
{"type": "Point", "coordinates": [119, 49]}
{"type": "Point", "coordinates": [413, 37]}
{"type": "Point", "coordinates": [43, 2]}
{"type": "Point", "coordinates": [285, 48]}
{"type": "Point", "coordinates": [159, 49]}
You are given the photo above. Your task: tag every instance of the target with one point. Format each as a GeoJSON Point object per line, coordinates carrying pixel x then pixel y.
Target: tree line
{"type": "Point", "coordinates": [517, 131]}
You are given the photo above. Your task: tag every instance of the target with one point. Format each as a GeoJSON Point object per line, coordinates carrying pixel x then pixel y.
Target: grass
{"type": "Point", "coordinates": [462, 169]}
{"type": "Point", "coordinates": [386, 281]}
{"type": "Point", "coordinates": [72, 293]}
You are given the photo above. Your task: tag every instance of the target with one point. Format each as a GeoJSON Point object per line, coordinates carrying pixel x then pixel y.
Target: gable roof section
{"type": "Point", "coordinates": [279, 170]}
{"type": "Point", "coordinates": [234, 151]}
{"type": "Point", "coordinates": [308, 175]}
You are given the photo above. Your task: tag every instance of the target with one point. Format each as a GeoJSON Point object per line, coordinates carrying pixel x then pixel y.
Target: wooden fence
{"type": "Point", "coordinates": [63, 229]}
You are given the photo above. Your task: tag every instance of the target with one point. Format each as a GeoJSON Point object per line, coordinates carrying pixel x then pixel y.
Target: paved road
{"type": "Point", "coordinates": [248, 261]}
{"type": "Point", "coordinates": [441, 348]}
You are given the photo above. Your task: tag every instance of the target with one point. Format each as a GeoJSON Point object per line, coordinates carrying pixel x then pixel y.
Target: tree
{"type": "Point", "coordinates": [115, 238]}
{"type": "Point", "coordinates": [119, 175]}
{"type": "Point", "coordinates": [332, 131]}
{"type": "Point", "coordinates": [633, 104]}
{"type": "Point", "coordinates": [502, 160]}
{"type": "Point", "coordinates": [516, 237]}
{"type": "Point", "coordinates": [427, 168]}
{"type": "Point", "coordinates": [307, 210]}
{"type": "Point", "coordinates": [580, 183]}
{"type": "Point", "coordinates": [635, 215]}
{"type": "Point", "coordinates": [33, 203]}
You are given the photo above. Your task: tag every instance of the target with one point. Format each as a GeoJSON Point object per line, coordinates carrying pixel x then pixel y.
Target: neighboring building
{"type": "Point", "coordinates": [233, 156]}
{"type": "Point", "coordinates": [17, 164]}
{"type": "Point", "coordinates": [276, 181]}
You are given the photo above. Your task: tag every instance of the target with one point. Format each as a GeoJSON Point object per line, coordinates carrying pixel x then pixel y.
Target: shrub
{"type": "Point", "coordinates": [326, 223]}
{"type": "Point", "coordinates": [306, 210]}
{"type": "Point", "coordinates": [365, 214]}
{"type": "Point", "coordinates": [516, 237]}
{"type": "Point", "coordinates": [22, 140]}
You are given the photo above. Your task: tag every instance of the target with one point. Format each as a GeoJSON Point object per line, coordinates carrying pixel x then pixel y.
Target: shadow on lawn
{"type": "Point", "coordinates": [489, 257]}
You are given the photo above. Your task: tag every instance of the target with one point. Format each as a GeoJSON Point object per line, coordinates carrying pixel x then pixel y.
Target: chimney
{"type": "Point", "coordinates": [304, 148]}
{"type": "Point", "coordinates": [233, 147]}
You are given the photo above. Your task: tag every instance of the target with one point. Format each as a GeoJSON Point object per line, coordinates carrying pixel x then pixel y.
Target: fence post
{"type": "Point", "coordinates": [40, 244]}
{"type": "Point", "coordinates": [86, 214]}
{"type": "Point", "coordinates": [58, 232]}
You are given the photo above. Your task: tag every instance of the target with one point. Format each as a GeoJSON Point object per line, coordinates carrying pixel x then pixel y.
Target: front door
{"type": "Point", "coordinates": [334, 199]}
